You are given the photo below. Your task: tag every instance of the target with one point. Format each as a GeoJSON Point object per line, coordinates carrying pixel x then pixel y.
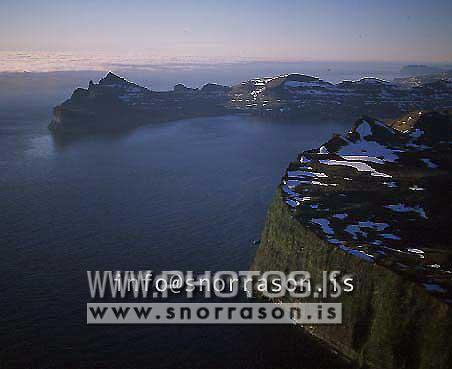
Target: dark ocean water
{"type": "Point", "coordinates": [186, 195]}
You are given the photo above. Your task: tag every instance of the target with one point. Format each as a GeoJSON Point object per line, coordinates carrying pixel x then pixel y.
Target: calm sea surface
{"type": "Point", "coordinates": [186, 195]}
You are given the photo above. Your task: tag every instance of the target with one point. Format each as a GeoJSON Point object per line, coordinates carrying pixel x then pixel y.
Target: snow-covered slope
{"type": "Point", "coordinates": [381, 194]}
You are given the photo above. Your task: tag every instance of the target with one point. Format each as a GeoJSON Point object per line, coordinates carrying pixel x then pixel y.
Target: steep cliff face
{"type": "Point", "coordinates": [368, 204]}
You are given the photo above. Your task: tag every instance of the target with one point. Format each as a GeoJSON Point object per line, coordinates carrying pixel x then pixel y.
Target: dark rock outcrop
{"type": "Point", "coordinates": [214, 88]}
{"type": "Point", "coordinates": [375, 203]}
{"type": "Point", "coordinates": [180, 88]}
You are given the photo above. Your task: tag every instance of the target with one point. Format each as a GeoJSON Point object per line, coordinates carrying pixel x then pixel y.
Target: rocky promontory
{"type": "Point", "coordinates": [375, 203]}
{"type": "Point", "coordinates": [115, 104]}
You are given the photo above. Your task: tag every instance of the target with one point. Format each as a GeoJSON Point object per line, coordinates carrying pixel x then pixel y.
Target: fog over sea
{"type": "Point", "coordinates": [54, 75]}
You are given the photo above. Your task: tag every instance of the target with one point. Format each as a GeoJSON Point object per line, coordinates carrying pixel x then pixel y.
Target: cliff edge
{"type": "Point", "coordinates": [374, 203]}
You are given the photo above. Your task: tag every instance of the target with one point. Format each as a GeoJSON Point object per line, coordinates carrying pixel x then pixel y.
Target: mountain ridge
{"type": "Point", "coordinates": [116, 104]}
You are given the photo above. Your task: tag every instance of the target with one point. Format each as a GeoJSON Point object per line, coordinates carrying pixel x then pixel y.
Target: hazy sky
{"type": "Point", "coordinates": [356, 30]}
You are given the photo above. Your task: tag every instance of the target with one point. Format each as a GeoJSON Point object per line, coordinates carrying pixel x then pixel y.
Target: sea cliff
{"type": "Point", "coordinates": [334, 211]}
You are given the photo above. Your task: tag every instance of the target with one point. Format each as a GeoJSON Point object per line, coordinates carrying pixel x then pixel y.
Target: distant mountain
{"type": "Point", "coordinates": [416, 81]}
{"type": "Point", "coordinates": [115, 104]}
{"type": "Point", "coordinates": [419, 70]}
